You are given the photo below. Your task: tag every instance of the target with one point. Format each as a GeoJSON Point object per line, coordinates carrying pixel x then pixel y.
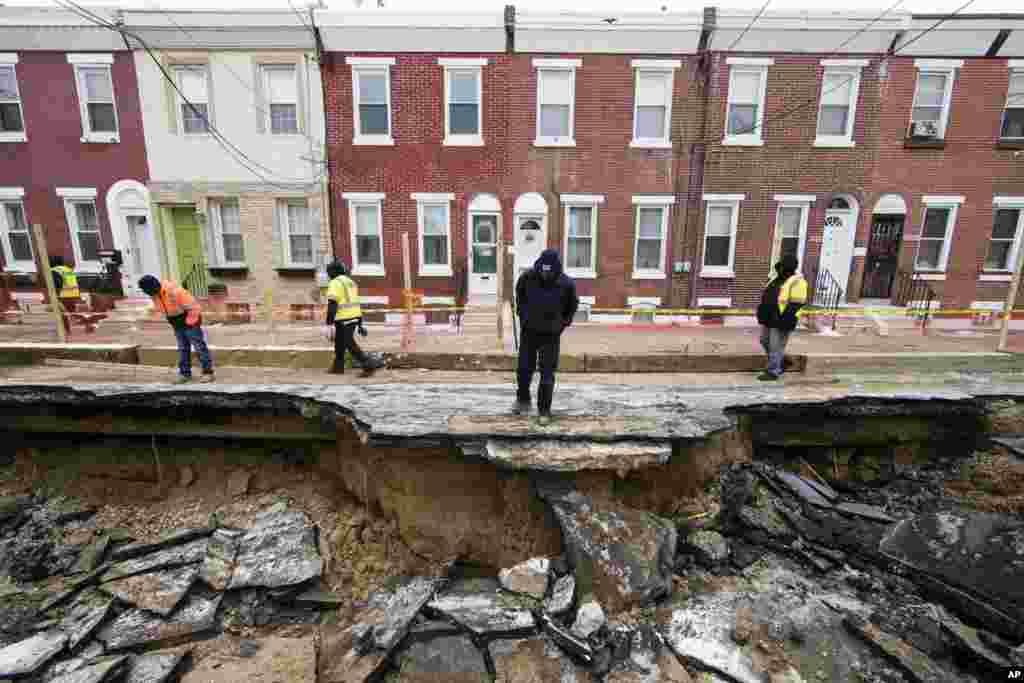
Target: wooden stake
{"type": "Point", "coordinates": [1011, 298]}
{"type": "Point", "coordinates": [500, 274]}
{"type": "Point", "coordinates": [43, 271]}
{"type": "Point", "coordinates": [814, 471]}
{"type": "Point", "coordinates": [407, 325]}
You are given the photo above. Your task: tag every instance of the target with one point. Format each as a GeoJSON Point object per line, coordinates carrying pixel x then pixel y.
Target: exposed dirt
{"type": "Point", "coordinates": [991, 481]}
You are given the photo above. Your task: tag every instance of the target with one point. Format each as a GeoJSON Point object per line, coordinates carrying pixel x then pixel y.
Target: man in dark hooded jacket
{"type": "Point", "coordinates": [546, 302]}
{"type": "Point", "coordinates": [783, 297]}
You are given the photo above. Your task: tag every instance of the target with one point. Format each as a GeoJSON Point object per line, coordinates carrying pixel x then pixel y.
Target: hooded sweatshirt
{"type": "Point", "coordinates": [546, 306]}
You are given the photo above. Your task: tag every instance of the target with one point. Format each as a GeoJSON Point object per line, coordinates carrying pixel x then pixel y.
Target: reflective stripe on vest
{"type": "Point", "coordinates": [345, 292]}
{"type": "Point", "coordinates": [68, 283]}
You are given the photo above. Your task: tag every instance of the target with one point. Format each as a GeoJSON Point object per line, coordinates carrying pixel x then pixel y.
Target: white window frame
{"type": "Point", "coordinates": [11, 59]}
{"type": "Point", "coordinates": [944, 67]}
{"type": "Point", "coordinates": [1016, 69]}
{"type": "Point", "coordinates": [952, 203]}
{"type": "Point", "coordinates": [359, 66]}
{"type": "Point", "coordinates": [176, 71]}
{"type": "Point", "coordinates": [216, 206]}
{"type": "Point", "coordinates": [94, 61]}
{"type": "Point", "coordinates": [265, 70]}
{"type": "Point", "coordinates": [757, 65]}
{"type": "Point", "coordinates": [473, 64]}
{"type": "Point", "coordinates": [1002, 202]}
{"type": "Point", "coordinates": [423, 200]}
{"type": "Point", "coordinates": [286, 232]}
{"type": "Point", "coordinates": [80, 195]}
{"type": "Point", "coordinates": [663, 202]}
{"type": "Point", "coordinates": [357, 199]}
{"type": "Point", "coordinates": [586, 201]}
{"type": "Point", "coordinates": [732, 201]}
{"type": "Point", "coordinates": [14, 195]}
{"type": "Point", "coordinates": [791, 201]}
{"type": "Point", "coordinates": [550, 66]}
{"type": "Point", "coordinates": [666, 69]}
{"type": "Point", "coordinates": [840, 67]}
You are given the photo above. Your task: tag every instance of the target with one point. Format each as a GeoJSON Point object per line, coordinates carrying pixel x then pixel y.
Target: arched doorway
{"type": "Point", "coordinates": [837, 239]}
{"type": "Point", "coordinates": [530, 218]}
{"type": "Point", "coordinates": [883, 250]}
{"type": "Point", "coordinates": [484, 217]}
{"type": "Point", "coordinates": [131, 225]}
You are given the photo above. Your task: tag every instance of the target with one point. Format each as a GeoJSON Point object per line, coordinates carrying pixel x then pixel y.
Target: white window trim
{"type": "Point", "coordinates": [371, 64]}
{"type": "Point", "coordinates": [714, 301]}
{"type": "Point", "coordinates": [946, 67]}
{"type": "Point", "coordinates": [376, 200]}
{"type": "Point", "coordinates": [14, 195]}
{"type": "Point", "coordinates": [218, 226]}
{"type": "Point", "coordinates": [463, 65]}
{"type": "Point", "coordinates": [739, 65]}
{"type": "Point", "coordinates": [852, 68]}
{"type": "Point", "coordinates": [76, 192]}
{"type": "Point", "coordinates": [570, 65]}
{"type": "Point", "coordinates": [267, 119]}
{"type": "Point", "coordinates": [650, 273]}
{"type": "Point", "coordinates": [666, 68]}
{"type": "Point", "coordinates": [939, 202]}
{"type": "Point", "coordinates": [180, 100]}
{"type": "Point", "coordinates": [11, 59]}
{"type": "Point", "coordinates": [1016, 68]}
{"type": "Point", "coordinates": [90, 58]}
{"type": "Point", "coordinates": [1011, 260]}
{"type": "Point", "coordinates": [591, 201]}
{"type": "Point", "coordinates": [654, 199]}
{"type": "Point", "coordinates": [791, 202]}
{"type": "Point", "coordinates": [733, 202]}
{"type": "Point", "coordinates": [80, 195]}
{"type": "Point", "coordinates": [286, 227]}
{"type": "Point", "coordinates": [100, 62]}
{"type": "Point", "coordinates": [423, 200]}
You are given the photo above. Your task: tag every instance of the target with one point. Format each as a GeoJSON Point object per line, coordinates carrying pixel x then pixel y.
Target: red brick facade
{"type": "Point", "coordinates": [54, 155]}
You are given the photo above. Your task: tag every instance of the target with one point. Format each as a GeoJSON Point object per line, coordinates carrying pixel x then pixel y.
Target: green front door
{"type": "Point", "coordinates": [187, 240]}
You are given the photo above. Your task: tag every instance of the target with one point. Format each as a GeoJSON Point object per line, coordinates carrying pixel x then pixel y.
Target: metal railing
{"type": "Point", "coordinates": [198, 280]}
{"type": "Point", "coordinates": [913, 292]}
{"type": "Point", "coordinates": [826, 294]}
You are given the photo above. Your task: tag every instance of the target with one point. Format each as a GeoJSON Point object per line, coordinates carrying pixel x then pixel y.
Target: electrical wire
{"type": "Point", "coordinates": [749, 26]}
{"type": "Point", "coordinates": [934, 26]}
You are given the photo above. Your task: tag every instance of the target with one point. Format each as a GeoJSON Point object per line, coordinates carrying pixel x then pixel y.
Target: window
{"type": "Point", "coordinates": [463, 96]}
{"type": "Point", "coordinates": [581, 234]}
{"type": "Point", "coordinates": [556, 89]}
{"type": "Point", "coordinates": [931, 96]}
{"type": "Point", "coordinates": [228, 233]}
{"type": "Point", "coordinates": [837, 111]}
{"type": "Point", "coordinates": [651, 235]}
{"type": "Point", "coordinates": [366, 231]}
{"type": "Point", "coordinates": [1013, 115]}
{"type": "Point", "coordinates": [194, 107]}
{"type": "Point", "coordinates": [95, 97]}
{"type": "Point", "coordinates": [933, 245]}
{"type": "Point", "coordinates": [281, 87]}
{"type": "Point", "coordinates": [652, 105]}
{"type": "Point", "coordinates": [745, 108]}
{"type": "Point", "coordinates": [720, 222]}
{"type": "Point", "coordinates": [12, 123]}
{"type": "Point", "coordinates": [371, 85]}
{"type": "Point", "coordinates": [298, 234]}
{"type": "Point", "coordinates": [1007, 226]}
{"type": "Point", "coordinates": [433, 219]}
{"type": "Point", "coordinates": [15, 240]}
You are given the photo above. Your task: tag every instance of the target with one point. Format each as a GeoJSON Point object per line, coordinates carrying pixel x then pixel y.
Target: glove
{"type": "Point", "coordinates": [328, 332]}
{"type": "Point", "coordinates": [192, 318]}
{"type": "Point", "coordinates": [362, 330]}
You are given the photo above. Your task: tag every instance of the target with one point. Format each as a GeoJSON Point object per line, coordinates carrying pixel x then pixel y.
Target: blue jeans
{"type": "Point", "coordinates": [189, 337]}
{"type": "Point", "coordinates": [773, 342]}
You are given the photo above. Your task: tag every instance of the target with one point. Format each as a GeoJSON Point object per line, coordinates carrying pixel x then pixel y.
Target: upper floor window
{"type": "Point", "coordinates": [1007, 226]}
{"type": "Point", "coordinates": [193, 99]}
{"type": "Point", "coordinates": [371, 88]}
{"type": "Point", "coordinates": [932, 94]}
{"type": "Point", "coordinates": [652, 102]}
{"type": "Point", "coordinates": [1013, 115]}
{"type": "Point", "coordinates": [748, 82]}
{"type": "Point", "coordinates": [15, 241]}
{"type": "Point", "coordinates": [581, 234]}
{"type": "Point", "coordinates": [556, 107]}
{"type": "Point", "coordinates": [837, 111]}
{"type": "Point", "coordinates": [936, 232]}
{"type": "Point", "coordinates": [463, 101]}
{"type": "Point", "coordinates": [365, 225]}
{"type": "Point", "coordinates": [96, 104]}
{"type": "Point", "coordinates": [281, 86]}
{"type": "Point", "coordinates": [12, 122]}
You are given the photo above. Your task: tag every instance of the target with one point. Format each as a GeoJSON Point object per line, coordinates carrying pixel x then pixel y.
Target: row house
{"type": "Point", "coordinates": [72, 153]}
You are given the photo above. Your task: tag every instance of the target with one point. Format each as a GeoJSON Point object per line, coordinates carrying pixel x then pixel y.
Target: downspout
{"type": "Point", "coordinates": [698, 151]}
{"type": "Point", "coordinates": [325, 186]}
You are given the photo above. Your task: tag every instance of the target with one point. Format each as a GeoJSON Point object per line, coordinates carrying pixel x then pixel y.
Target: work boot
{"type": "Point", "coordinates": [183, 379]}
{"type": "Point", "coordinates": [545, 394]}
{"type": "Point", "coordinates": [767, 377]}
{"type": "Point", "coordinates": [336, 369]}
{"type": "Point", "coordinates": [521, 407]}
{"type": "Point", "coordinates": [207, 377]}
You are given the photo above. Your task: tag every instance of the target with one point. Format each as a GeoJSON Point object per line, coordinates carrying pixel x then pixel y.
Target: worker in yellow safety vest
{"type": "Point", "coordinates": [344, 318]}
{"type": "Point", "coordinates": [65, 282]}
{"type": "Point", "coordinates": [186, 317]}
{"type": "Point", "coordinates": [779, 312]}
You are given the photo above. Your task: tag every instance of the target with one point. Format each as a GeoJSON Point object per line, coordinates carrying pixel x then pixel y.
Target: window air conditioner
{"type": "Point", "coordinates": [924, 129]}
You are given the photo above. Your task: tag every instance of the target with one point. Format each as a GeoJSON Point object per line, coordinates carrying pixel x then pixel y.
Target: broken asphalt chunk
{"type": "Point", "coordinates": [403, 607]}
{"type": "Point", "coordinates": [969, 641]}
{"type": "Point", "coordinates": [562, 594]}
{"type": "Point", "coordinates": [529, 578]}
{"type": "Point", "coordinates": [136, 627]}
{"type": "Point", "coordinates": [97, 671]}
{"type": "Point", "coordinates": [92, 555]}
{"type": "Point", "coordinates": [572, 644]}
{"type": "Point", "coordinates": [450, 658]}
{"type": "Point", "coordinates": [279, 550]}
{"type": "Point", "coordinates": [158, 592]}
{"type": "Point", "coordinates": [219, 564]}
{"type": "Point", "coordinates": [27, 656]}
{"type": "Point", "coordinates": [803, 489]}
{"type": "Point", "coordinates": [533, 660]}
{"type": "Point", "coordinates": [177, 537]}
{"type": "Point", "coordinates": [84, 617]}
{"type": "Point", "coordinates": [912, 661]}
{"type": "Point", "coordinates": [176, 556]}
{"type": "Point", "coordinates": [875, 514]}
{"type": "Point", "coordinates": [485, 614]}
{"type": "Point", "coordinates": [154, 668]}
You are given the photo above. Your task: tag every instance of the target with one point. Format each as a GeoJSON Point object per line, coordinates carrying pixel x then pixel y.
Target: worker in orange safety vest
{"type": "Point", "coordinates": [185, 316]}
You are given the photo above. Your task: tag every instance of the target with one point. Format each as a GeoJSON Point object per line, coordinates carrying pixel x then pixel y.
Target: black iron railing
{"type": "Point", "coordinates": [198, 280]}
{"type": "Point", "coordinates": [914, 292]}
{"type": "Point", "coordinates": [826, 294]}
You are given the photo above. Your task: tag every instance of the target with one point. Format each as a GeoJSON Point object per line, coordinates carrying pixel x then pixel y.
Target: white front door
{"type": "Point", "coordinates": [531, 239]}
{"type": "Point", "coordinates": [837, 245]}
{"type": "Point", "coordinates": [139, 254]}
{"type": "Point", "coordinates": [483, 254]}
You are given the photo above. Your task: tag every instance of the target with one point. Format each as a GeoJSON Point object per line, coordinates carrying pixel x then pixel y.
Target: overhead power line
{"type": "Point", "coordinates": [749, 26]}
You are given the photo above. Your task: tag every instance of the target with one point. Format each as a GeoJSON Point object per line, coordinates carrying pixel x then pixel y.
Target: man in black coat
{"type": "Point", "coordinates": [546, 303]}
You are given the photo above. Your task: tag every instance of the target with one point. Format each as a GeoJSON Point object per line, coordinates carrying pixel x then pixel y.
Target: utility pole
{"type": "Point", "coordinates": [500, 275]}
{"type": "Point", "coordinates": [1011, 298]}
